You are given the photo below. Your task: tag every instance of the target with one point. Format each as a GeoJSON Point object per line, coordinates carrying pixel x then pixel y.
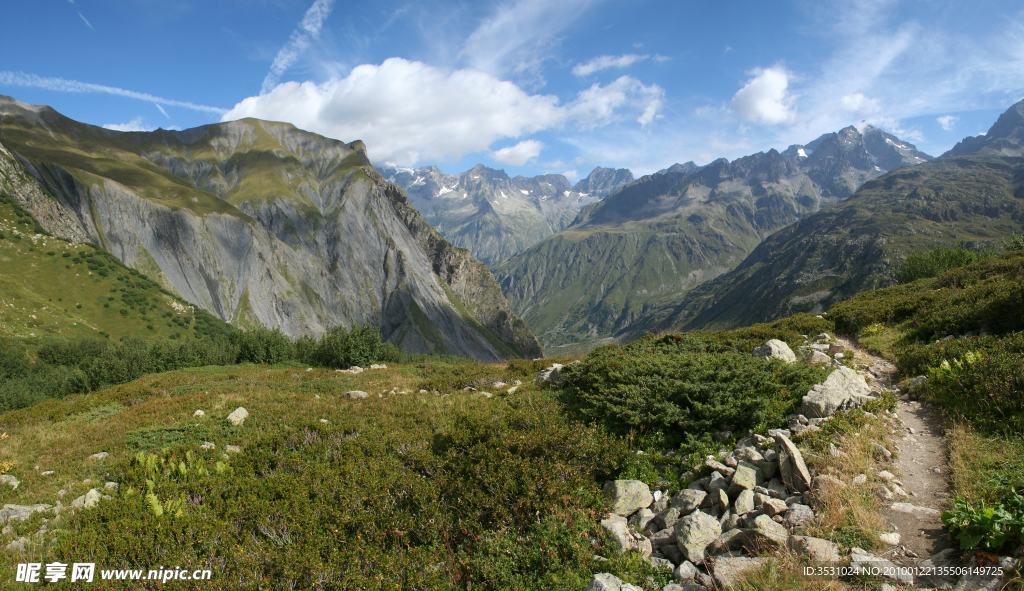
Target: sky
{"type": "Point", "coordinates": [529, 86]}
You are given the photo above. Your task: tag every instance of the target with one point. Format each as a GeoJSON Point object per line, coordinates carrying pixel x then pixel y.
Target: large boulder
{"type": "Point", "coordinates": [764, 536]}
{"type": "Point", "coordinates": [842, 389]}
{"type": "Point", "coordinates": [552, 374]}
{"type": "Point", "coordinates": [775, 349]}
{"type": "Point", "coordinates": [694, 533]}
{"type": "Point", "coordinates": [815, 549]}
{"type": "Point", "coordinates": [605, 582]}
{"type": "Point", "coordinates": [792, 468]}
{"type": "Point", "coordinates": [625, 497]}
{"type": "Point", "coordinates": [746, 477]}
{"type": "Point", "coordinates": [238, 416]}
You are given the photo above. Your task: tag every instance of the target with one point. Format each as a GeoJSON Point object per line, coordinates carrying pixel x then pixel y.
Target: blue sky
{"type": "Point", "coordinates": [531, 86]}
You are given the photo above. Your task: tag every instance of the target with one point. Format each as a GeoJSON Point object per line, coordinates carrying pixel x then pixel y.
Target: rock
{"type": "Point", "coordinates": [661, 563]}
{"type": "Point", "coordinates": [812, 357]}
{"type": "Point", "coordinates": [836, 348]}
{"type": "Point", "coordinates": [605, 582]}
{"type": "Point", "coordinates": [881, 451]}
{"type": "Point", "coordinates": [730, 539]}
{"type": "Point", "coordinates": [919, 512]}
{"type": "Point", "coordinates": [744, 502]}
{"type": "Point", "coordinates": [799, 516]}
{"type": "Point", "coordinates": [822, 338]}
{"type": "Point", "coordinates": [728, 569]}
{"type": "Point", "coordinates": [862, 560]}
{"type": "Point", "coordinates": [640, 519]}
{"type": "Point", "coordinates": [717, 483]}
{"type": "Point", "coordinates": [916, 386]}
{"type": "Point", "coordinates": [773, 507]}
{"type": "Point", "coordinates": [860, 479]}
{"type": "Point", "coordinates": [47, 472]}
{"type": "Point", "coordinates": [661, 502]}
{"type": "Point", "coordinates": [745, 478]}
{"type": "Point", "coordinates": [794, 500]}
{"type": "Point", "coordinates": [199, 414]}
{"type": "Point", "coordinates": [208, 445]}
{"type": "Point", "coordinates": [721, 436]}
{"type": "Point", "coordinates": [375, 366]}
{"type": "Point", "coordinates": [937, 568]}
{"type": "Point", "coordinates": [694, 533]}
{"type": "Point", "coordinates": [626, 496]}
{"type": "Point", "coordinates": [794, 472]}
{"type": "Point", "coordinates": [232, 449]}
{"type": "Point", "coordinates": [628, 587]}
{"type": "Point", "coordinates": [984, 579]}
{"type": "Point", "coordinates": [10, 481]}
{"type": "Point", "coordinates": [775, 349]}
{"type": "Point", "coordinates": [99, 456]}
{"type": "Point", "coordinates": [764, 536]}
{"type": "Point", "coordinates": [816, 549]}
{"type": "Point", "coordinates": [668, 517]}
{"type": "Point", "coordinates": [512, 390]}
{"type": "Point", "coordinates": [721, 468]}
{"type": "Point", "coordinates": [21, 512]}
{"type": "Point", "coordinates": [627, 539]}
{"type": "Point", "coordinates": [892, 539]}
{"type": "Point", "coordinates": [551, 374]}
{"type": "Point", "coordinates": [111, 486]}
{"type": "Point", "coordinates": [769, 469]}
{"type": "Point", "coordinates": [686, 572]}
{"type": "Point", "coordinates": [843, 388]}
{"type": "Point", "coordinates": [355, 395]}
{"type": "Point", "coordinates": [19, 544]}
{"type": "Point", "coordinates": [238, 416]}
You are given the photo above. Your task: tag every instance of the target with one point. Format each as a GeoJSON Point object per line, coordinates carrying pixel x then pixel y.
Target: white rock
{"type": "Point", "coordinates": [775, 349]}
{"type": "Point", "coordinates": [892, 539]}
{"type": "Point", "coordinates": [198, 414]}
{"type": "Point", "coordinates": [10, 481]}
{"type": "Point", "coordinates": [99, 456]}
{"type": "Point", "coordinates": [232, 449]}
{"type": "Point", "coordinates": [356, 394]}
{"type": "Point", "coordinates": [238, 416]}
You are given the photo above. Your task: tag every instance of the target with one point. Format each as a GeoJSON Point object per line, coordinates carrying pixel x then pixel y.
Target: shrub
{"type": "Point", "coordinates": [262, 345]}
{"type": "Point", "coordinates": [679, 389]}
{"type": "Point", "coordinates": [341, 348]}
{"type": "Point", "coordinates": [1014, 243]}
{"type": "Point", "coordinates": [921, 264]}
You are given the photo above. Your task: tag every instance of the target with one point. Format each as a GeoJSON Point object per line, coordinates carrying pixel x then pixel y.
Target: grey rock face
{"type": "Point", "coordinates": [775, 349]}
{"type": "Point", "coordinates": [238, 416]}
{"type": "Point", "coordinates": [694, 533]}
{"type": "Point", "coordinates": [799, 516]}
{"type": "Point", "coordinates": [844, 388]}
{"type": "Point", "coordinates": [935, 568]}
{"type": "Point", "coordinates": [627, 496]}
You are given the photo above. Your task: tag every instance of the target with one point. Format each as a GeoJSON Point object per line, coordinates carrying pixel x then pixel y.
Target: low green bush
{"type": "Point", "coordinates": [262, 345]}
{"type": "Point", "coordinates": [341, 348]}
{"type": "Point", "coordinates": [678, 389]}
{"type": "Point", "coordinates": [933, 262]}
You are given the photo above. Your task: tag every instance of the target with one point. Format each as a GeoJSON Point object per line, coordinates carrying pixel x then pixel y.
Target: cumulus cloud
{"type": "Point", "coordinates": [605, 62]}
{"type": "Point", "coordinates": [407, 111]}
{"type": "Point", "coordinates": [764, 97]}
{"type": "Point", "coordinates": [518, 154]}
{"type": "Point", "coordinates": [858, 103]}
{"type": "Point", "coordinates": [307, 32]}
{"type": "Point", "coordinates": [947, 121]}
{"type": "Point", "coordinates": [133, 125]}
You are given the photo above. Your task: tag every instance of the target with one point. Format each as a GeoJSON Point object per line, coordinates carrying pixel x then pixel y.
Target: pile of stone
{"type": "Point", "coordinates": [754, 501]}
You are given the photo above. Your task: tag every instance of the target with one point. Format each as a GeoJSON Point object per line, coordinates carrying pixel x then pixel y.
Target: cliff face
{"type": "Point", "coordinates": [260, 222]}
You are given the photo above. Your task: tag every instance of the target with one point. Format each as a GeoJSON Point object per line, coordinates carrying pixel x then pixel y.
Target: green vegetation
{"type": "Point", "coordinates": [964, 331]}
{"type": "Point", "coordinates": [933, 262]}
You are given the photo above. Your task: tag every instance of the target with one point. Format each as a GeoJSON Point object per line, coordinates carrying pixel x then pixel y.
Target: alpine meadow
{"type": "Point", "coordinates": [512, 295]}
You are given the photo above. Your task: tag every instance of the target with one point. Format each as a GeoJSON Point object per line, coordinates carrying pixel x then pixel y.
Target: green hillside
{"type": "Point", "coordinates": [50, 287]}
{"type": "Point", "coordinates": [857, 245]}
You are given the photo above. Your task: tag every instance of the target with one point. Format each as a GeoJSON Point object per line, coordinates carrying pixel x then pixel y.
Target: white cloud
{"type": "Point", "coordinates": [133, 125]}
{"type": "Point", "coordinates": [308, 31]}
{"type": "Point", "coordinates": [513, 37]}
{"type": "Point", "coordinates": [607, 61]}
{"type": "Point", "coordinates": [764, 97]}
{"type": "Point", "coordinates": [85, 20]}
{"type": "Point", "coordinates": [161, 109]}
{"type": "Point", "coordinates": [62, 85]}
{"type": "Point", "coordinates": [518, 154]}
{"type": "Point", "coordinates": [600, 105]}
{"type": "Point", "coordinates": [947, 121]}
{"type": "Point", "coordinates": [860, 104]}
{"type": "Point", "coordinates": [571, 174]}
{"type": "Point", "coordinates": [407, 112]}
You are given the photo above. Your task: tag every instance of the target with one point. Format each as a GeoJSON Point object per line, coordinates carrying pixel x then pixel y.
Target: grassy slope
{"type": "Point", "coordinates": [45, 293]}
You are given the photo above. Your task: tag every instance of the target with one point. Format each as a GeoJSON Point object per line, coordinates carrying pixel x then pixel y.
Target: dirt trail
{"type": "Point", "coordinates": [921, 468]}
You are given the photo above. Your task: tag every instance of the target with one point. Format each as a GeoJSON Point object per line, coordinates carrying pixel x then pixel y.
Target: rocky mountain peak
{"type": "Point", "coordinates": [602, 181]}
{"type": "Point", "coordinates": [1006, 136]}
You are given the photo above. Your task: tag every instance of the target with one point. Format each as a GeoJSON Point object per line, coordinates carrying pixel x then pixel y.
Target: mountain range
{"type": "Point", "coordinates": [494, 216]}
{"type": "Point", "coordinates": [645, 245]}
{"type": "Point", "coordinates": [972, 195]}
{"type": "Point", "coordinates": [259, 222]}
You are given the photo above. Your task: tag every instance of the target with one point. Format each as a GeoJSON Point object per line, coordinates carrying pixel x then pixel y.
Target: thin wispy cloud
{"type": "Point", "coordinates": [947, 122]}
{"type": "Point", "coordinates": [161, 109]}
{"type": "Point", "coordinates": [61, 85]}
{"type": "Point", "coordinates": [85, 20]}
{"type": "Point", "coordinates": [300, 40]}
{"type": "Point", "coordinates": [605, 62]}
